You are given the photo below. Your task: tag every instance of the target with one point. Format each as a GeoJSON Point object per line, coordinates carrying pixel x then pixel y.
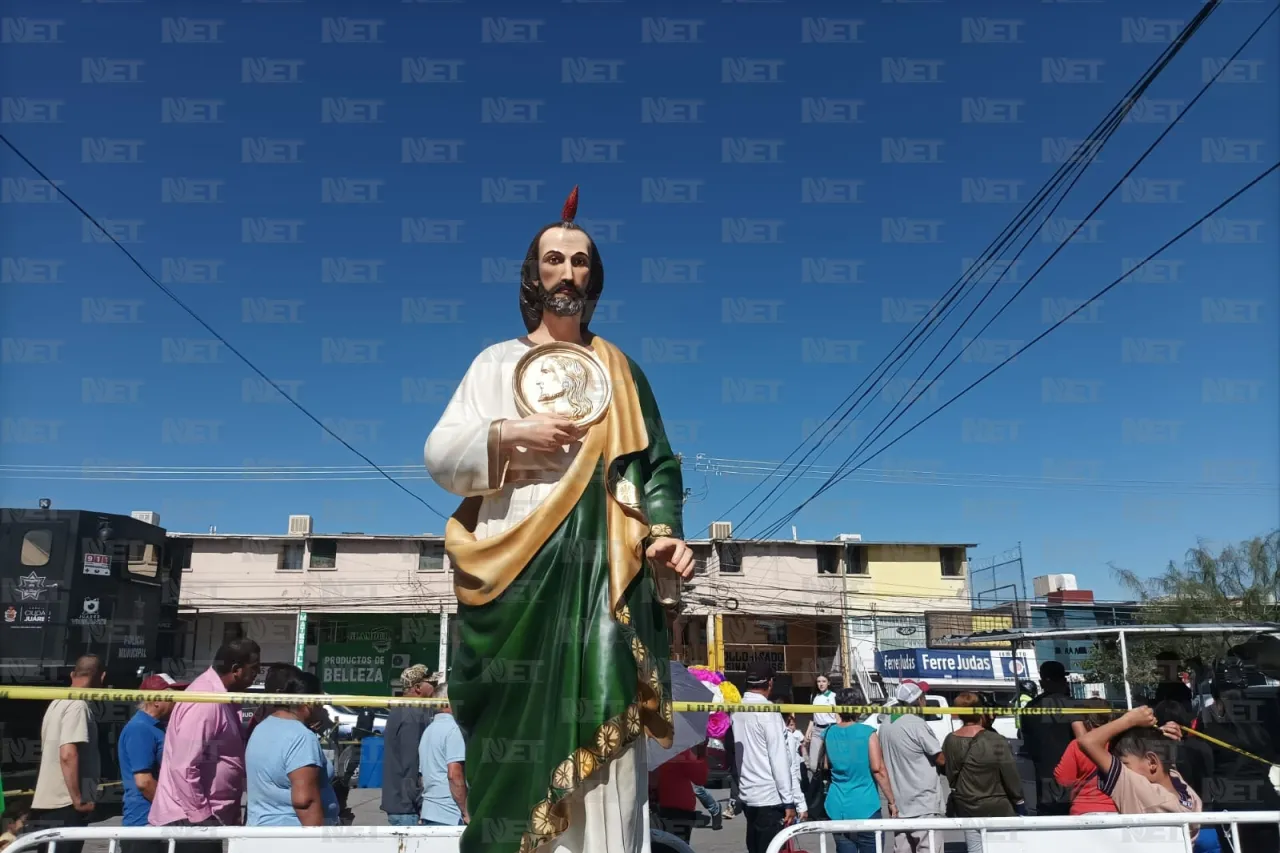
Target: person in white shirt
{"type": "Point", "coordinates": [794, 740]}
{"type": "Point", "coordinates": [815, 735]}
{"type": "Point", "coordinates": [765, 784]}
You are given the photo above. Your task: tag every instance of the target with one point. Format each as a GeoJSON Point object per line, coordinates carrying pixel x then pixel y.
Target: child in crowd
{"type": "Point", "coordinates": [13, 823]}
{"type": "Point", "coordinates": [1137, 773]}
{"type": "Point", "coordinates": [1079, 774]}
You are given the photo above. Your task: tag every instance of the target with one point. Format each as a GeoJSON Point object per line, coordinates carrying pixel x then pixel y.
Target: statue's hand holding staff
{"type": "Point", "coordinates": [674, 554]}
{"type": "Point", "coordinates": [540, 432]}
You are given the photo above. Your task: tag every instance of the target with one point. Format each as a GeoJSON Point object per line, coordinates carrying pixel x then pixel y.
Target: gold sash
{"type": "Point", "coordinates": [483, 569]}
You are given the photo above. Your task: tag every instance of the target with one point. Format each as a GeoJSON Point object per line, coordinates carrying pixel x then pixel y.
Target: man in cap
{"type": "Point", "coordinates": [140, 748]}
{"type": "Point", "coordinates": [401, 786]}
{"type": "Point", "coordinates": [573, 505]}
{"type": "Point", "coordinates": [912, 755]}
{"type": "Point", "coordinates": [762, 761]}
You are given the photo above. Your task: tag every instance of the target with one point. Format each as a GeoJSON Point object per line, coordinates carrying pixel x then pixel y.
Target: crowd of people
{"type": "Point", "coordinates": [844, 768]}
{"type": "Point", "coordinates": [187, 764]}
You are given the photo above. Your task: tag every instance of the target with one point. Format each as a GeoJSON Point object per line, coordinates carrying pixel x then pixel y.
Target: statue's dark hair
{"type": "Point", "coordinates": [532, 293]}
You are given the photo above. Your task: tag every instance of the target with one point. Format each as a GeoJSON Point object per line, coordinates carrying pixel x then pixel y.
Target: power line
{"type": "Point", "coordinates": [1010, 233]}
{"type": "Point", "coordinates": [882, 427]}
{"type": "Point", "coordinates": [1109, 126]}
{"type": "Point", "coordinates": [167, 292]}
{"type": "Point", "coordinates": [1258, 179]}
{"type": "Point", "coordinates": [718, 466]}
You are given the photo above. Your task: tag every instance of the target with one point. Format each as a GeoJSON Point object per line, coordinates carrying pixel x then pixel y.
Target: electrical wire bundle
{"type": "Point", "coordinates": [1059, 185]}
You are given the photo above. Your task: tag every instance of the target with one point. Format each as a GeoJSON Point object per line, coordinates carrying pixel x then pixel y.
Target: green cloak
{"type": "Point", "coordinates": [558, 673]}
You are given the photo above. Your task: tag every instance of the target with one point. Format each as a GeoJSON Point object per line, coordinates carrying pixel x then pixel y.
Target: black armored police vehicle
{"type": "Point", "coordinates": [74, 582]}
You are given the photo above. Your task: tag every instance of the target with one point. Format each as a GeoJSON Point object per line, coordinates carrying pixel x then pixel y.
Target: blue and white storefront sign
{"type": "Point", "coordinates": [1023, 666]}
{"type": "Point", "coordinates": [943, 665]}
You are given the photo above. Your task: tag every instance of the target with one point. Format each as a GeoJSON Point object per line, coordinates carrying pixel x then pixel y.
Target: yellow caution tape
{"type": "Point", "coordinates": [260, 698]}
{"type": "Point", "coordinates": [1226, 745]}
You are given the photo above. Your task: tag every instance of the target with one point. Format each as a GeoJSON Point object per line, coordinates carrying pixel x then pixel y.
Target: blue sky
{"type": "Point", "coordinates": [704, 240]}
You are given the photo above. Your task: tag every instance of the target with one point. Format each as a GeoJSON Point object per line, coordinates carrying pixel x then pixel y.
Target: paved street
{"type": "Point", "coordinates": [363, 802]}
{"type": "Point", "coordinates": [732, 839]}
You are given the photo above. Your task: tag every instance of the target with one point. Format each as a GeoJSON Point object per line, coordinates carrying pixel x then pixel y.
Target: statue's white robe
{"type": "Point", "coordinates": [609, 815]}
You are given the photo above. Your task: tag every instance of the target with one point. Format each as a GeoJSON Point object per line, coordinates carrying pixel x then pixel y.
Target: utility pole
{"type": "Point", "coordinates": [846, 625]}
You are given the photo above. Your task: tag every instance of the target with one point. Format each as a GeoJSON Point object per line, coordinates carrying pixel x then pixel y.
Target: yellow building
{"type": "Point", "coordinates": [814, 606]}
{"type": "Point", "coordinates": [912, 576]}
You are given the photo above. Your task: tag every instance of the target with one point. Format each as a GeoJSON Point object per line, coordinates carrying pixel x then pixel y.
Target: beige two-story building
{"type": "Point", "coordinates": [357, 606]}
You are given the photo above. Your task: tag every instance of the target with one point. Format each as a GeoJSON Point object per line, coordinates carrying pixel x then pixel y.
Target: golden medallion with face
{"type": "Point", "coordinates": [562, 379]}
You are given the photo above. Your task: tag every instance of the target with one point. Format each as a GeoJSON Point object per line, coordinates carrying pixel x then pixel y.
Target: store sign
{"type": "Point", "coordinates": [378, 638]}
{"type": "Point", "coordinates": [1019, 667]}
{"type": "Point", "coordinates": [356, 669]}
{"type": "Point", "coordinates": [942, 665]}
{"type": "Point", "coordinates": [736, 661]}
{"type": "Point", "coordinates": [300, 641]}
{"type": "Point", "coordinates": [367, 654]}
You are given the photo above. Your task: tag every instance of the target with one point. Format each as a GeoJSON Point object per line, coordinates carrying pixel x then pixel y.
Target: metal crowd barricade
{"type": "Point", "coordinates": [286, 839]}
{"type": "Point", "coordinates": [257, 839]}
{"type": "Point", "coordinates": [1099, 833]}
{"type": "Point", "coordinates": [1102, 833]}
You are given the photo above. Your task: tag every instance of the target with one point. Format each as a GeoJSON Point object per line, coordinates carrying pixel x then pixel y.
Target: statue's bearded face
{"type": "Point", "coordinates": [564, 267]}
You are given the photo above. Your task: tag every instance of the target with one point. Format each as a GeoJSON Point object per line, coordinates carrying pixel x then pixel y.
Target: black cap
{"type": "Point", "coordinates": [759, 672]}
{"type": "Point", "coordinates": [1052, 670]}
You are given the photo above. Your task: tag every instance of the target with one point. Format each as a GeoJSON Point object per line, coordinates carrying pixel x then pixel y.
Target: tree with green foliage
{"type": "Point", "coordinates": [1240, 583]}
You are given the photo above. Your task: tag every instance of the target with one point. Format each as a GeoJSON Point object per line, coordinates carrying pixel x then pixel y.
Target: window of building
{"type": "Point", "coordinates": [952, 562]}
{"type": "Point", "coordinates": [856, 560]}
{"type": "Point", "coordinates": [701, 556]}
{"type": "Point", "coordinates": [232, 631]}
{"type": "Point", "coordinates": [36, 545]}
{"type": "Point", "coordinates": [730, 558]}
{"type": "Point", "coordinates": [291, 557]}
{"type": "Point", "coordinates": [827, 634]}
{"type": "Point", "coordinates": [324, 554]}
{"type": "Point", "coordinates": [775, 633]}
{"type": "Point", "coordinates": [828, 560]}
{"type": "Point", "coordinates": [431, 556]}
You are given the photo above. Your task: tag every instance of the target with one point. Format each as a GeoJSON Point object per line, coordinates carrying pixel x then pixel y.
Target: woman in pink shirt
{"type": "Point", "coordinates": [202, 771]}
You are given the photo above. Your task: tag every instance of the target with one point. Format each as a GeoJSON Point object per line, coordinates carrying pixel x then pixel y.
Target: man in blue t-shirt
{"type": "Point", "coordinates": [140, 747]}
{"type": "Point", "coordinates": [442, 755]}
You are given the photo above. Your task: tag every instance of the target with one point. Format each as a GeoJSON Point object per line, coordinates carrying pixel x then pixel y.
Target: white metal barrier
{"type": "Point", "coordinates": [258, 839]}
{"type": "Point", "coordinates": [1100, 833]}
{"type": "Point", "coordinates": [1154, 833]}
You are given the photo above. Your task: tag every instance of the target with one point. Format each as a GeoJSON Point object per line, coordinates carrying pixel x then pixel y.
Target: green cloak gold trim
{"type": "Point", "coordinates": [563, 600]}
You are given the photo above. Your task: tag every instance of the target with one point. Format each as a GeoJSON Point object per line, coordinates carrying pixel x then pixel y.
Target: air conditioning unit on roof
{"type": "Point", "coordinates": [299, 525]}
{"type": "Point", "coordinates": [722, 530]}
{"type": "Point", "coordinates": [1046, 584]}
{"type": "Point", "coordinates": [146, 516]}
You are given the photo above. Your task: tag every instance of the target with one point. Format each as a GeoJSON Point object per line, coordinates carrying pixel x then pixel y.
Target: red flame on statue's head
{"type": "Point", "coordinates": [570, 207]}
